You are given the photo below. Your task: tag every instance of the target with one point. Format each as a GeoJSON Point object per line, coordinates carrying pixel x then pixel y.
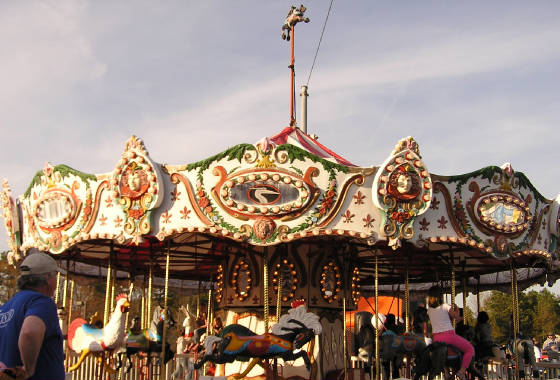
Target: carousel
{"type": "Point", "coordinates": [282, 230]}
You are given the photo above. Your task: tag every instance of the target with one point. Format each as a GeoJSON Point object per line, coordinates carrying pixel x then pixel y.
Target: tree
{"type": "Point", "coordinates": [547, 312]}
{"type": "Point", "coordinates": [539, 314]}
{"type": "Point", "coordinates": [8, 278]}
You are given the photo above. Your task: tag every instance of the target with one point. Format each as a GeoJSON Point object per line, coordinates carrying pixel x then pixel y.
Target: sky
{"type": "Point", "coordinates": [475, 83]}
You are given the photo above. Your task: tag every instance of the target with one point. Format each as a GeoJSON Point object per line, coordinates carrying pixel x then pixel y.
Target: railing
{"type": "Point", "coordinates": [142, 368]}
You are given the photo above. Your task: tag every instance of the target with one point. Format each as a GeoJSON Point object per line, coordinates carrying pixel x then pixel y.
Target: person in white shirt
{"type": "Point", "coordinates": [441, 315]}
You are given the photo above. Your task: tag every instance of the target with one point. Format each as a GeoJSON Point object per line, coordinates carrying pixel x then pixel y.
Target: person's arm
{"type": "Point", "coordinates": [30, 340]}
{"type": "Point", "coordinates": [454, 313]}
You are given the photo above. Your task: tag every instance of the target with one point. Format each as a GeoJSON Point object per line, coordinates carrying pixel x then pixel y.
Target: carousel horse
{"type": "Point", "coordinates": [394, 346]}
{"type": "Point", "coordinates": [440, 357]}
{"type": "Point", "coordinates": [295, 15]}
{"type": "Point", "coordinates": [84, 338]}
{"type": "Point", "coordinates": [236, 342]}
{"type": "Point", "coordinates": [525, 355]}
{"type": "Point", "coordinates": [185, 364]}
{"type": "Point", "coordinates": [364, 337]}
{"type": "Point", "coordinates": [148, 340]}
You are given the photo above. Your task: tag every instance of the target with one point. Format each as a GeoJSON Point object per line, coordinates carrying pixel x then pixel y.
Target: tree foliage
{"type": "Point", "coordinates": [539, 314]}
{"type": "Point", "coordinates": [8, 278]}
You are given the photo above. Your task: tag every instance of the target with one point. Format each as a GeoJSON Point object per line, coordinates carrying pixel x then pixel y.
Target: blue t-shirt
{"type": "Point", "coordinates": [50, 362]}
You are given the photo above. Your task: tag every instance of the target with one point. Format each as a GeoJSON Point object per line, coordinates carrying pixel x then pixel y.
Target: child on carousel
{"type": "Point", "coordinates": [441, 315]}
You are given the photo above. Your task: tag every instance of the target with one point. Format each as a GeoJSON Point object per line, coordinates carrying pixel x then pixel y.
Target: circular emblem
{"type": "Point", "coordinates": [263, 228]}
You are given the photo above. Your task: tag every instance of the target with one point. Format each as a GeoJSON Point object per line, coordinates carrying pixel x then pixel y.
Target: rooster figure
{"type": "Point", "coordinates": [84, 338]}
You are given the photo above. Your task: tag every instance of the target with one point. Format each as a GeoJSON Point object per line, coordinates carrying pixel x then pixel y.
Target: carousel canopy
{"type": "Point", "coordinates": [290, 195]}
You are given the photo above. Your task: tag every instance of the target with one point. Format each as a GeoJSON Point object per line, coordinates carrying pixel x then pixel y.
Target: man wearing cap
{"type": "Point", "coordinates": [30, 335]}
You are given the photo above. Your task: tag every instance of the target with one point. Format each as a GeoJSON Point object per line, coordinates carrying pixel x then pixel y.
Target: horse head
{"type": "Point", "coordinates": [303, 334]}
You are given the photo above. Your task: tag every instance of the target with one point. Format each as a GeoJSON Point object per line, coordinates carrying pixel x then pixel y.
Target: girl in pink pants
{"type": "Point", "coordinates": [441, 315]}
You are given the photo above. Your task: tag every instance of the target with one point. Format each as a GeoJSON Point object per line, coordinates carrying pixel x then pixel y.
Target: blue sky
{"type": "Point", "coordinates": [475, 83]}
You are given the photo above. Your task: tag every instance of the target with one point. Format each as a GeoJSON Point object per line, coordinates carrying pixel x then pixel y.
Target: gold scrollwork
{"type": "Point", "coordinates": [281, 157]}
{"type": "Point", "coordinates": [251, 156]}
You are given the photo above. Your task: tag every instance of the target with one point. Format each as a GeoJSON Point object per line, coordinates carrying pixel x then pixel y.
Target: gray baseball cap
{"type": "Point", "coordinates": [37, 262]}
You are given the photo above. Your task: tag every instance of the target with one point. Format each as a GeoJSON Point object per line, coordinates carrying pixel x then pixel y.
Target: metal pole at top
{"type": "Point", "coordinates": [295, 15]}
{"type": "Point", "coordinates": [292, 80]}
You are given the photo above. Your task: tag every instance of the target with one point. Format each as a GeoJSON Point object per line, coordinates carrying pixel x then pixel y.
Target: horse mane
{"type": "Point", "coordinates": [300, 314]}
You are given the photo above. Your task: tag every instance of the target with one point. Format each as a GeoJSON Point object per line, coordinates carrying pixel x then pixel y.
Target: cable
{"type": "Point", "coordinates": [319, 44]}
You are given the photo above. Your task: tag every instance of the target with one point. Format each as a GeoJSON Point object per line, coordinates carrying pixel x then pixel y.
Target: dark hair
{"type": "Point", "coordinates": [32, 281]}
{"type": "Point", "coordinates": [434, 295]}
{"type": "Point", "coordinates": [482, 317]}
{"type": "Point", "coordinates": [390, 319]}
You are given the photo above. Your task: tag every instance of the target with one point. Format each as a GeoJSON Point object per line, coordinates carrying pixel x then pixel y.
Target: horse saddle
{"type": "Point", "coordinates": [452, 351]}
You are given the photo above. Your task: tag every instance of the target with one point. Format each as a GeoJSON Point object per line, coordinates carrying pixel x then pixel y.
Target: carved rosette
{"type": "Point", "coordinates": [137, 186]}
{"type": "Point", "coordinates": [11, 221]}
{"type": "Point", "coordinates": [402, 189]}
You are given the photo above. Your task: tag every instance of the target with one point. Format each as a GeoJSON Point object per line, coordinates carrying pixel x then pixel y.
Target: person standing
{"type": "Point", "coordinates": [30, 335]}
{"type": "Point", "coordinates": [441, 314]}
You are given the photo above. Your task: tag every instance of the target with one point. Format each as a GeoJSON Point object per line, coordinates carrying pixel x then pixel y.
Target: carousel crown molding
{"type": "Point", "coordinates": [266, 194]}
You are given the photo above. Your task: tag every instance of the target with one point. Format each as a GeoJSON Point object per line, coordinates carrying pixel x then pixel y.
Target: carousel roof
{"type": "Point", "coordinates": [290, 193]}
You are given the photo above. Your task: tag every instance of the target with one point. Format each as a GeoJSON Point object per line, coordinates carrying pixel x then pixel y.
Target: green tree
{"type": "Point", "coordinates": [539, 314]}
{"type": "Point", "coordinates": [8, 278]}
{"type": "Point", "coordinates": [547, 314]}
{"type": "Point", "coordinates": [498, 307]}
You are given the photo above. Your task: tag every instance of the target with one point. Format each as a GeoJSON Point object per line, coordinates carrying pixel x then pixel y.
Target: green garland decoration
{"type": "Point", "coordinates": [64, 171]}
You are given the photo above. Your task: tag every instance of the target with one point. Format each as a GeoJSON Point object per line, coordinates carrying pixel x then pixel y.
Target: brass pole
{"type": "Point", "coordinates": [515, 316]}
{"type": "Point", "coordinates": [478, 295]}
{"type": "Point", "coordinates": [57, 288]}
{"type": "Point", "coordinates": [107, 295]}
{"type": "Point", "coordinates": [149, 300]}
{"type": "Point", "coordinates": [265, 290]}
{"type": "Point", "coordinates": [453, 284]}
{"type": "Point", "coordinates": [406, 299]}
{"type": "Point", "coordinates": [376, 286]}
{"type": "Point", "coordinates": [279, 295]}
{"type": "Point", "coordinates": [344, 337]}
{"type": "Point", "coordinates": [165, 294]}
{"type": "Point", "coordinates": [464, 283]}
{"type": "Point", "coordinates": [65, 291]}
